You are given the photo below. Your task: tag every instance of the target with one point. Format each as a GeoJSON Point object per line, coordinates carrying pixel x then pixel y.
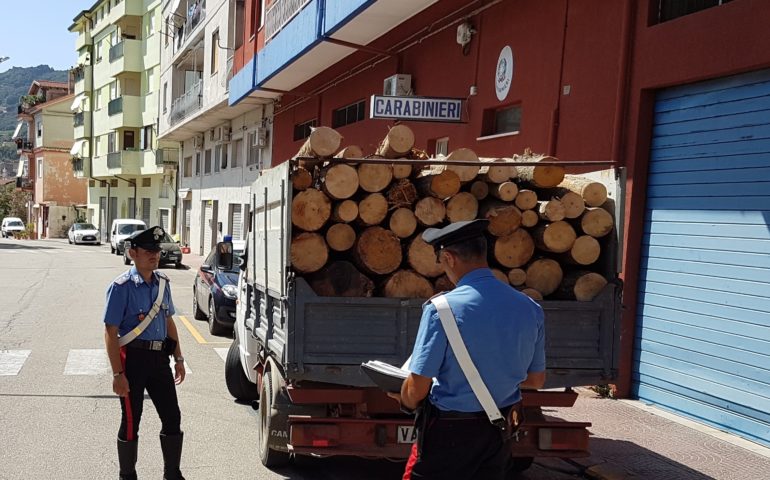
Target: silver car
{"type": "Point", "coordinates": [84, 233]}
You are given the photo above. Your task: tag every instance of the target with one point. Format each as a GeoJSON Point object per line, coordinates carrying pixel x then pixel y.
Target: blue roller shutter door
{"type": "Point", "coordinates": [703, 321]}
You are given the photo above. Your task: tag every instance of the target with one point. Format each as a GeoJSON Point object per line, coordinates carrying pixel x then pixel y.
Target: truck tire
{"type": "Point", "coordinates": [269, 457]}
{"type": "Point", "coordinates": [516, 465]}
{"type": "Point", "coordinates": [237, 382]}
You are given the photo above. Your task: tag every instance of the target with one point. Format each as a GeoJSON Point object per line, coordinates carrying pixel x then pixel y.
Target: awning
{"type": "Point", "coordinates": [77, 147]}
{"type": "Point", "coordinates": [78, 101]}
{"type": "Point", "coordinates": [20, 171]}
{"type": "Point", "coordinates": [183, 193]}
{"type": "Point", "coordinates": [18, 129]}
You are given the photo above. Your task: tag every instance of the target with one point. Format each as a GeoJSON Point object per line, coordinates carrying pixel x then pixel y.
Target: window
{"type": "Point", "coordinates": [147, 182]}
{"type": "Point", "coordinates": [165, 95]}
{"type": "Point", "coordinates": [207, 162]}
{"type": "Point", "coordinates": [187, 168]}
{"type": "Point", "coordinates": [39, 168]}
{"type": "Point", "coordinates": [197, 163]}
{"type": "Point", "coordinates": [237, 150]}
{"type": "Point", "coordinates": [240, 14]}
{"type": "Point", "coordinates": [103, 184]}
{"type": "Point", "coordinates": [111, 144]}
{"type": "Point", "coordinates": [224, 156]}
{"type": "Point", "coordinates": [147, 137]}
{"type": "Point", "coordinates": [442, 146]}
{"type": "Point", "coordinates": [350, 114]}
{"type": "Point", "coordinates": [114, 183]}
{"type": "Point", "coordinates": [39, 128]}
{"type": "Point", "coordinates": [91, 183]}
{"type": "Point", "coordinates": [128, 140]}
{"type": "Point", "coordinates": [146, 211]}
{"type": "Point", "coordinates": [97, 150]}
{"type": "Point", "coordinates": [164, 184]}
{"type": "Point", "coordinates": [501, 121]}
{"type": "Point", "coordinates": [214, 52]}
{"type": "Point", "coordinates": [167, 32]}
{"type": "Point", "coordinates": [151, 23]}
{"type": "Point", "coordinates": [253, 157]}
{"type": "Point", "coordinates": [150, 81]}
{"type": "Point", "coordinates": [98, 51]}
{"type": "Point", "coordinates": [254, 15]}
{"type": "Point", "coordinates": [302, 130]}
{"type": "Point", "coordinates": [217, 157]}
{"type": "Point", "coordinates": [98, 99]}
{"type": "Point", "coordinates": [114, 90]}
{"type": "Point", "coordinates": [671, 9]}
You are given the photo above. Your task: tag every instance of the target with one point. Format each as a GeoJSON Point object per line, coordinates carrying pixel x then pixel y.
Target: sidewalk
{"type": "Point", "coordinates": [630, 440]}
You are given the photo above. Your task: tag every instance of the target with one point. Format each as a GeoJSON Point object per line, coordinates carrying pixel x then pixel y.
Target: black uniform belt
{"type": "Point", "coordinates": [459, 415]}
{"type": "Point", "coordinates": [154, 345]}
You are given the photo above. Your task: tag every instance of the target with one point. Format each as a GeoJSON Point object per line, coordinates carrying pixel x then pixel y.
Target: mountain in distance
{"type": "Point", "coordinates": [14, 83]}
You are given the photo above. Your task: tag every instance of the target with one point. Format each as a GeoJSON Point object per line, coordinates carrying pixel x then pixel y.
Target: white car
{"type": "Point", "coordinates": [11, 225]}
{"type": "Point", "coordinates": [84, 233]}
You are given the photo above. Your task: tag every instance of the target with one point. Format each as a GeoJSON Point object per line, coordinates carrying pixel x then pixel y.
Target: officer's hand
{"type": "Point", "coordinates": [120, 385]}
{"type": "Point", "coordinates": [395, 396]}
{"type": "Point", "coordinates": [180, 372]}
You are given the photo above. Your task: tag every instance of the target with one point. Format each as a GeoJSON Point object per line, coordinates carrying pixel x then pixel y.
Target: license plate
{"type": "Point", "coordinates": [406, 434]}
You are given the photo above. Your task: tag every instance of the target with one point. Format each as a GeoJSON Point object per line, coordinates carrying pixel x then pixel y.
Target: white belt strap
{"type": "Point", "coordinates": [130, 336]}
{"type": "Point", "coordinates": [464, 359]}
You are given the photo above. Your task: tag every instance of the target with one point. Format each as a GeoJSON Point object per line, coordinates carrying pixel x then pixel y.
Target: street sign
{"type": "Point", "coordinates": [421, 109]}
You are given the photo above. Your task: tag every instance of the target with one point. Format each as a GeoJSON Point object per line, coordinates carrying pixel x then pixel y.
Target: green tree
{"type": "Point", "coordinates": [13, 203]}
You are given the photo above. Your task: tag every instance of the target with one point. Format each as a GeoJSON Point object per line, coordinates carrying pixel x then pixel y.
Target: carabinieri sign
{"type": "Point", "coordinates": [427, 109]}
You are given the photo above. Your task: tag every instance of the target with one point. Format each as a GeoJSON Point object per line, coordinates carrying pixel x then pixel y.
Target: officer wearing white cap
{"type": "Point", "coordinates": [140, 334]}
{"type": "Point", "coordinates": [503, 331]}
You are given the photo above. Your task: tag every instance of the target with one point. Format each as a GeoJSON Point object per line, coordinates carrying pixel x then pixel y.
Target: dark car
{"type": "Point", "coordinates": [170, 251]}
{"type": "Point", "coordinates": [215, 291]}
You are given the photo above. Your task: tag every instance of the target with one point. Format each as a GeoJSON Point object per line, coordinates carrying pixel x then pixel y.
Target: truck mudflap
{"type": "Point", "coordinates": [360, 437]}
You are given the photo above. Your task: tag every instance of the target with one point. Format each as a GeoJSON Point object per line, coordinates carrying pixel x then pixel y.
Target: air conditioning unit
{"type": "Point", "coordinates": [260, 139]}
{"type": "Point", "coordinates": [397, 85]}
{"type": "Point", "coordinates": [216, 134]}
{"type": "Point", "coordinates": [198, 142]}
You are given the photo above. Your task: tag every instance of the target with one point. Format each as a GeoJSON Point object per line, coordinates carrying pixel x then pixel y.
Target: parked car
{"type": "Point", "coordinates": [170, 251]}
{"type": "Point", "coordinates": [11, 225]}
{"type": "Point", "coordinates": [84, 233]}
{"type": "Point", "coordinates": [120, 230]}
{"type": "Point", "coordinates": [216, 289]}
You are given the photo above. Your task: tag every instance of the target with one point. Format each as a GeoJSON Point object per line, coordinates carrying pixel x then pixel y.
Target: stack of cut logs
{"type": "Point", "coordinates": [357, 226]}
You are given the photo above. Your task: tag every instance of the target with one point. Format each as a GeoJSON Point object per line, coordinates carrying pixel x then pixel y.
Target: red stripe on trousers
{"type": "Point", "coordinates": [127, 401]}
{"type": "Point", "coordinates": [410, 463]}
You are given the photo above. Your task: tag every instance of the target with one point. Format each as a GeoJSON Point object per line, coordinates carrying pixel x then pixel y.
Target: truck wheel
{"type": "Point", "coordinates": [197, 312]}
{"type": "Point", "coordinates": [516, 465]}
{"type": "Point", "coordinates": [269, 457]}
{"type": "Point", "coordinates": [237, 382]}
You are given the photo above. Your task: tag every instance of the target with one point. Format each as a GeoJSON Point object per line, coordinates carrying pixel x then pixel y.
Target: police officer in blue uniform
{"type": "Point", "coordinates": [503, 331]}
{"type": "Point", "coordinates": [143, 363]}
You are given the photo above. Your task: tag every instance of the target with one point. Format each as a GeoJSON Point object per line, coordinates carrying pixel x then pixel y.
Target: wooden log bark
{"type": "Point", "coordinates": [442, 284]}
{"type": "Point", "coordinates": [422, 258]}
{"type": "Point", "coordinates": [500, 275]}
{"type": "Point", "coordinates": [301, 179]}
{"type": "Point", "coordinates": [573, 202]}
{"type": "Point", "coordinates": [397, 143]}
{"type": "Point", "coordinates": [544, 275]}
{"type": "Point", "coordinates": [430, 211]}
{"type": "Point", "coordinates": [514, 250]}
{"type": "Point", "coordinates": [533, 294]}
{"type": "Point", "coordinates": [504, 218]}
{"type": "Point", "coordinates": [556, 237]}
{"type": "Point", "coordinates": [465, 173]}
{"type": "Point", "coordinates": [551, 210]}
{"type": "Point", "coordinates": [374, 177]}
{"type": "Point", "coordinates": [505, 191]}
{"type": "Point", "coordinates": [402, 193]}
{"type": "Point", "coordinates": [341, 279]}
{"type": "Point", "coordinates": [540, 176]}
{"type": "Point", "coordinates": [339, 181]}
{"type": "Point", "coordinates": [439, 184]}
{"type": "Point", "coordinates": [492, 173]}
{"type": "Point", "coordinates": [593, 193]}
{"type": "Point", "coordinates": [351, 151]}
{"type": "Point", "coordinates": [403, 222]}
{"type": "Point", "coordinates": [517, 277]}
{"type": "Point", "coordinates": [479, 189]}
{"type": "Point", "coordinates": [340, 237]}
{"type": "Point", "coordinates": [529, 218]}
{"type": "Point", "coordinates": [322, 143]}
{"type": "Point", "coordinates": [526, 199]}
{"type": "Point", "coordinates": [310, 210]}
{"type": "Point", "coordinates": [378, 251]}
{"type": "Point", "coordinates": [584, 251]}
{"type": "Point", "coordinates": [373, 209]}
{"type": "Point", "coordinates": [345, 211]}
{"type": "Point", "coordinates": [462, 207]}
{"type": "Point", "coordinates": [580, 285]}
{"type": "Point", "coordinates": [596, 222]}
{"type": "Point", "coordinates": [407, 284]}
{"type": "Point", "coordinates": [308, 252]}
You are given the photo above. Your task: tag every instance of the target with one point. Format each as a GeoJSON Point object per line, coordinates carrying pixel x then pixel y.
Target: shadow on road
{"type": "Point", "coordinates": [23, 246]}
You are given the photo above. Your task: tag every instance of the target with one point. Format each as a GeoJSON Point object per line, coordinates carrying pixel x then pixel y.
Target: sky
{"type": "Point", "coordinates": [35, 32]}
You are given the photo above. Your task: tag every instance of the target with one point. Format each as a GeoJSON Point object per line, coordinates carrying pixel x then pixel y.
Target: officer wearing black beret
{"type": "Point", "coordinates": [503, 332]}
{"type": "Point", "coordinates": [140, 334]}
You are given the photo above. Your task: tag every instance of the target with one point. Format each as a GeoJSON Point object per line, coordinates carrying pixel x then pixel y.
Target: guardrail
{"type": "Point", "coordinates": [188, 103]}
{"type": "Point", "coordinates": [279, 14]}
{"type": "Point", "coordinates": [115, 106]}
{"type": "Point", "coordinates": [116, 52]}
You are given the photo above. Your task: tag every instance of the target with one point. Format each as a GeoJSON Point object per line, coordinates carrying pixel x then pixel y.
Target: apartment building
{"type": "Point", "coordinates": [44, 139]}
{"type": "Point", "coordinates": [130, 173]}
{"type": "Point", "coordinates": [222, 147]}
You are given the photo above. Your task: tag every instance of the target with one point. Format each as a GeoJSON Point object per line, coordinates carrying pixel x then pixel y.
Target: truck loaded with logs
{"type": "Point", "coordinates": [335, 274]}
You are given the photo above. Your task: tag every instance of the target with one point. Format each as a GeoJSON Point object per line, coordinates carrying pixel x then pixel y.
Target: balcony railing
{"type": "Point", "coordinates": [186, 104]}
{"type": "Point", "coordinates": [115, 106]}
{"type": "Point", "coordinates": [279, 14]}
{"type": "Point", "coordinates": [78, 119]}
{"type": "Point", "coordinates": [166, 157]}
{"type": "Point", "coordinates": [116, 52]}
{"type": "Point", "coordinates": [24, 183]}
{"type": "Point", "coordinates": [114, 160]}
{"type": "Point", "coordinates": [196, 13]}
{"type": "Point", "coordinates": [23, 145]}
{"type": "Point", "coordinates": [77, 164]}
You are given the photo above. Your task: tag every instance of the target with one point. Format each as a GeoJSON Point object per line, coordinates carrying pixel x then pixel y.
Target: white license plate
{"type": "Point", "coordinates": [406, 434]}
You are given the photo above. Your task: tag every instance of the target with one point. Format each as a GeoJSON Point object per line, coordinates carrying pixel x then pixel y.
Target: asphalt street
{"type": "Point", "coordinates": [58, 415]}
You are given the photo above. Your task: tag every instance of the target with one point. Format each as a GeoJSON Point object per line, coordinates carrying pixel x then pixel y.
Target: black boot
{"type": "Point", "coordinates": [127, 459]}
{"type": "Point", "coordinates": [171, 445]}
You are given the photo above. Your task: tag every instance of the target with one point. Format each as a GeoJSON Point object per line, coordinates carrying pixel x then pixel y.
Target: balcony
{"type": "Point", "coordinates": [78, 167]}
{"type": "Point", "coordinates": [82, 78]}
{"type": "Point", "coordinates": [24, 183]}
{"type": "Point", "coordinates": [84, 39]}
{"type": "Point", "coordinates": [125, 111]}
{"type": "Point", "coordinates": [23, 146]}
{"type": "Point", "coordinates": [134, 8]}
{"type": "Point", "coordinates": [194, 15]}
{"type": "Point", "coordinates": [279, 13]}
{"type": "Point", "coordinates": [81, 123]}
{"type": "Point", "coordinates": [126, 57]}
{"type": "Point", "coordinates": [125, 162]}
{"type": "Point", "coordinates": [78, 119]}
{"type": "Point", "coordinates": [187, 104]}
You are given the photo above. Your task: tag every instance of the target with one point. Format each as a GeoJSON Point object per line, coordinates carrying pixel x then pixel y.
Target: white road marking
{"type": "Point", "coordinates": [222, 352]}
{"type": "Point", "coordinates": [187, 370]}
{"type": "Point", "coordinates": [91, 361]}
{"type": "Point", "coordinates": [11, 361]}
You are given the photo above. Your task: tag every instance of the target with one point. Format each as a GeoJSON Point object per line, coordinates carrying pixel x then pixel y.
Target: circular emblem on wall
{"type": "Point", "coordinates": [504, 73]}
